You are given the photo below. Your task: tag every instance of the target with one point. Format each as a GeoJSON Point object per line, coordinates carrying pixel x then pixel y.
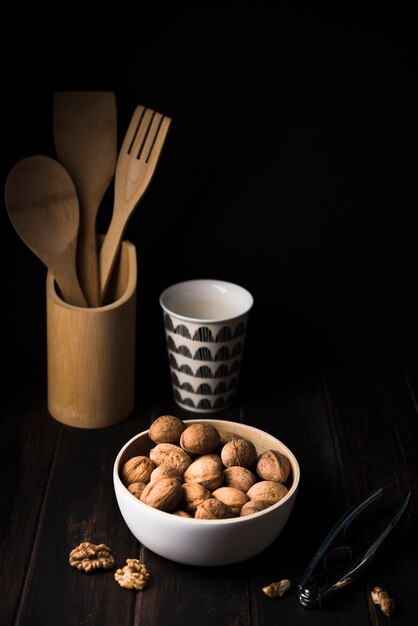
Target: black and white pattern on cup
{"type": "Point", "coordinates": [204, 389]}
{"type": "Point", "coordinates": [204, 403]}
{"type": "Point", "coordinates": [203, 333]}
{"type": "Point", "coordinates": [204, 353]}
{"type": "Point", "coordinates": [205, 371]}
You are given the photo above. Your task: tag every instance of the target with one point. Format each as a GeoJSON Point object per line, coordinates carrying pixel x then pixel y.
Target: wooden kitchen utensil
{"type": "Point", "coordinates": [85, 136]}
{"type": "Point", "coordinates": [135, 167]}
{"type": "Point", "coordinates": [91, 352]}
{"type": "Point", "coordinates": [42, 204]}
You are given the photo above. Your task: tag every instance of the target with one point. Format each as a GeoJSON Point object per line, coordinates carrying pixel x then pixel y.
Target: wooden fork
{"type": "Point", "coordinates": [135, 167]}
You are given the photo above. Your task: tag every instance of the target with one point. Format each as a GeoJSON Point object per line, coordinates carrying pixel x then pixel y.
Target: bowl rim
{"type": "Point", "coordinates": [233, 520]}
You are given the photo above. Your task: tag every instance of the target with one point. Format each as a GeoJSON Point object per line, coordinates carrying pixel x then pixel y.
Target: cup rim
{"type": "Point", "coordinates": [202, 320]}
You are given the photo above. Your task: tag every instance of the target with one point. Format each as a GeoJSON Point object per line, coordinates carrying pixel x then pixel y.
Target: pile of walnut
{"type": "Point", "coordinates": [89, 557]}
{"type": "Point", "coordinates": [197, 471]}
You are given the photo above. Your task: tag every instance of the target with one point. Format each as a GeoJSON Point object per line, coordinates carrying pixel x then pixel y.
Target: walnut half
{"type": "Point", "coordinates": [88, 557]}
{"type": "Point", "coordinates": [133, 576]}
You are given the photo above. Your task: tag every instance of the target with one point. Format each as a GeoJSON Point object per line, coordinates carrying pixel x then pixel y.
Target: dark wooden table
{"type": "Point", "coordinates": [352, 431]}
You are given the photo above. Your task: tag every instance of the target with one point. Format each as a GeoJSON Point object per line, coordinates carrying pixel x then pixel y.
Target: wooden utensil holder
{"type": "Point", "coordinates": [91, 352]}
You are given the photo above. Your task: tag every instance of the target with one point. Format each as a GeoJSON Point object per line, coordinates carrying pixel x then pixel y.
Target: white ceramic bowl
{"type": "Point", "coordinates": [205, 542]}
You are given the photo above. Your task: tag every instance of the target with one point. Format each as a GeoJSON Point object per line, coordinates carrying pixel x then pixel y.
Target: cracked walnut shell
{"type": "Point", "coordinates": [88, 557]}
{"type": "Point", "coordinates": [133, 575]}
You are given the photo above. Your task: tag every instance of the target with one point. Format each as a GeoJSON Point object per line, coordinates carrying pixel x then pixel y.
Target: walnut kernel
{"type": "Point", "coordinates": [133, 575]}
{"type": "Point", "coordinates": [277, 590]}
{"type": "Point", "coordinates": [382, 598]}
{"type": "Point", "coordinates": [90, 556]}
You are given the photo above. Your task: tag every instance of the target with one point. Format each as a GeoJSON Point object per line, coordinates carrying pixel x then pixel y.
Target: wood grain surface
{"type": "Point", "coordinates": [351, 430]}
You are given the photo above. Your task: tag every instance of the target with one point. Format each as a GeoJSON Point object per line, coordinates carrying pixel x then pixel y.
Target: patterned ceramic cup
{"type": "Point", "coordinates": [205, 324]}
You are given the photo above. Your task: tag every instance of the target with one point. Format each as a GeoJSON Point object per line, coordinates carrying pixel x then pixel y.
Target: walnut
{"type": "Point", "coordinates": [234, 498]}
{"type": "Point", "coordinates": [200, 438]}
{"type": "Point", "coordinates": [255, 506]}
{"type": "Point", "coordinates": [136, 489]}
{"type": "Point", "coordinates": [277, 590]}
{"type": "Point", "coordinates": [239, 477]}
{"type": "Point", "coordinates": [137, 470]}
{"type": "Point", "coordinates": [382, 598]}
{"type": "Point", "coordinates": [89, 557]}
{"type": "Point", "coordinates": [193, 495]}
{"type": "Point", "coordinates": [239, 452]}
{"type": "Point", "coordinates": [181, 513]}
{"type": "Point", "coordinates": [227, 436]}
{"type": "Point", "coordinates": [163, 494]}
{"type": "Point", "coordinates": [163, 471]}
{"type": "Point", "coordinates": [205, 460]}
{"type": "Point", "coordinates": [213, 509]}
{"type": "Point", "coordinates": [166, 429]}
{"type": "Point", "coordinates": [273, 465]}
{"type": "Point", "coordinates": [133, 575]}
{"type": "Point", "coordinates": [170, 454]}
{"type": "Point", "coordinates": [267, 490]}
{"type": "Point", "coordinates": [206, 470]}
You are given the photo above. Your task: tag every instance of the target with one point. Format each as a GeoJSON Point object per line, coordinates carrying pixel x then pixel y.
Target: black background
{"type": "Point", "coordinates": [290, 168]}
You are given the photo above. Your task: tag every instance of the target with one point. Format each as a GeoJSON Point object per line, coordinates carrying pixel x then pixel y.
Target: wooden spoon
{"type": "Point", "coordinates": [85, 136]}
{"type": "Point", "coordinates": [42, 204]}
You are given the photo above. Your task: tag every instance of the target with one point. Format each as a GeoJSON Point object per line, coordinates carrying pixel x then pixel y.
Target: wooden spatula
{"type": "Point", "coordinates": [135, 168]}
{"type": "Point", "coordinates": [85, 136]}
